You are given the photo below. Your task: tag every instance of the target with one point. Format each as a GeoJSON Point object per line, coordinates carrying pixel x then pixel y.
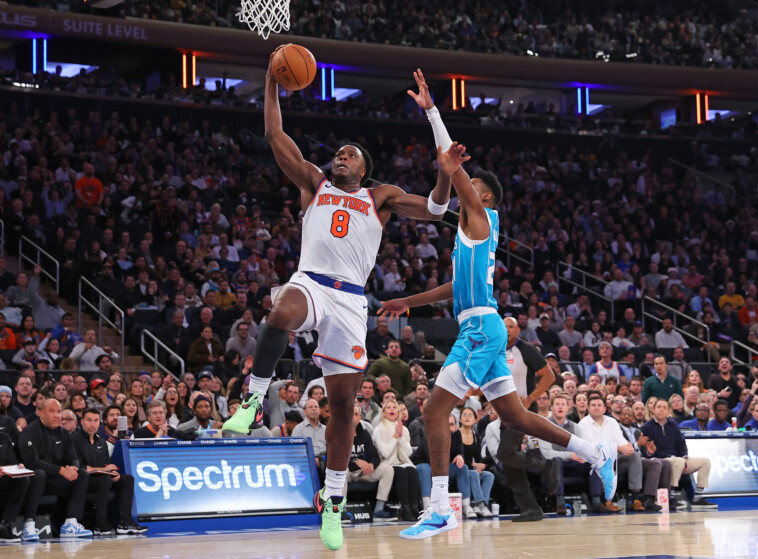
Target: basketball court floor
{"type": "Point", "coordinates": [726, 534]}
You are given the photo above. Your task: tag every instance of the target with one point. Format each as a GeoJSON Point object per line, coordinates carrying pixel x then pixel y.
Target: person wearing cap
{"type": "Point", "coordinates": [201, 418]}
{"type": "Point", "coordinates": [98, 398]}
{"type": "Point", "coordinates": [205, 384]}
{"type": "Point", "coordinates": [606, 367]}
{"type": "Point", "coordinates": [27, 354]}
{"type": "Point", "coordinates": [6, 399]}
{"type": "Point", "coordinates": [214, 277]}
{"type": "Point", "coordinates": [547, 336]}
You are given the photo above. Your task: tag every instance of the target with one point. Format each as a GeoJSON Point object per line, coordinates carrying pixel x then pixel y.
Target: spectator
{"type": "Point", "coordinates": [526, 332]}
{"type": "Point", "coordinates": [546, 335]}
{"type": "Point", "coordinates": [291, 420]}
{"type": "Point", "coordinates": [206, 349]}
{"type": "Point", "coordinates": [57, 470]}
{"type": "Point", "coordinates": [92, 452]}
{"type": "Point", "coordinates": [12, 490]}
{"type": "Point", "coordinates": [201, 418]}
{"type": "Point", "coordinates": [283, 397]}
{"type": "Point", "coordinates": [668, 337]}
{"type": "Point", "coordinates": [371, 412]}
{"type": "Point", "coordinates": [98, 398]}
{"type": "Point", "coordinates": [392, 442]}
{"type": "Point", "coordinates": [365, 465]}
{"type": "Point", "coordinates": [157, 427]}
{"type": "Point", "coordinates": [601, 429]}
{"type": "Point", "coordinates": [607, 368]}
{"type": "Point", "coordinates": [668, 443]}
{"type": "Point", "coordinates": [391, 365]}
{"type": "Point", "coordinates": [480, 479]}
{"type": "Point", "coordinates": [88, 189]}
{"type": "Point", "coordinates": [661, 384]}
{"type": "Point", "coordinates": [66, 335]}
{"type": "Point", "coordinates": [88, 351]}
{"type": "Point", "coordinates": [678, 367]}
{"type": "Point", "coordinates": [724, 383]}
{"type": "Point", "coordinates": [242, 341]}
{"type": "Point", "coordinates": [312, 428]}
{"type": "Point", "coordinates": [748, 314]}
{"type": "Point", "coordinates": [108, 430]}
{"type": "Point", "coordinates": [28, 354]}
{"type": "Point", "coordinates": [676, 404]}
{"type": "Point", "coordinates": [377, 340]}
{"type": "Point", "coordinates": [570, 337]}
{"type": "Point", "coordinates": [657, 472]}
{"type": "Point", "coordinates": [408, 348]}
{"type": "Point", "coordinates": [731, 297]}
{"type": "Point", "coordinates": [720, 417]}
{"type": "Point", "coordinates": [700, 421]}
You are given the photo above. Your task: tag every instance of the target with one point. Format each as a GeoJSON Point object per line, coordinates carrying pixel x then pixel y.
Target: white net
{"type": "Point", "coordinates": [265, 16]}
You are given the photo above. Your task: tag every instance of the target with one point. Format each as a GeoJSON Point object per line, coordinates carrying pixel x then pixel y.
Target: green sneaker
{"type": "Point", "coordinates": [331, 519]}
{"type": "Point", "coordinates": [247, 414]}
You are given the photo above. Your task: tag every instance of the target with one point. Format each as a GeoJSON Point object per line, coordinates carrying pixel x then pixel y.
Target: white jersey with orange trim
{"type": "Point", "coordinates": [341, 234]}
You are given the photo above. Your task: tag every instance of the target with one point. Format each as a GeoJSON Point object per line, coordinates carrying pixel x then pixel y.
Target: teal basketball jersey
{"type": "Point", "coordinates": [474, 268]}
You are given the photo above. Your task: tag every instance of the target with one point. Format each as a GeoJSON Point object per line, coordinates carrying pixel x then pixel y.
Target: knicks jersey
{"type": "Point", "coordinates": [474, 268]}
{"type": "Point", "coordinates": [341, 234]}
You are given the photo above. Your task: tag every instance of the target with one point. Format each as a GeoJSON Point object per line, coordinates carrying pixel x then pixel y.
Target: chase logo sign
{"type": "Point", "coordinates": [211, 480]}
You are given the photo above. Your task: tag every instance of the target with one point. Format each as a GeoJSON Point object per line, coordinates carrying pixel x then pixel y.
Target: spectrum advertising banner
{"type": "Point", "coordinates": [734, 462]}
{"type": "Point", "coordinates": [219, 477]}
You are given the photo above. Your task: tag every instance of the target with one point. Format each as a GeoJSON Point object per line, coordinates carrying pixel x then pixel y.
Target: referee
{"type": "Point", "coordinates": [532, 376]}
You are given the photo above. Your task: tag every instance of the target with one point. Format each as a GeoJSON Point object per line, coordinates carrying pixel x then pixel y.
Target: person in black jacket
{"type": "Point", "coordinates": [12, 490]}
{"type": "Point", "coordinates": [365, 465]}
{"type": "Point", "coordinates": [92, 452]}
{"type": "Point", "coordinates": [47, 448]}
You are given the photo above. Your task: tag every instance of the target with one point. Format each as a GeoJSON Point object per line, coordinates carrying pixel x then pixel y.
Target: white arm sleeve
{"type": "Point", "coordinates": [441, 137]}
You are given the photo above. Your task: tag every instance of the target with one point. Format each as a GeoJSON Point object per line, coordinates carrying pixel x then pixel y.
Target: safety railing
{"type": "Point", "coordinates": [677, 317]}
{"type": "Point", "coordinates": [586, 282]}
{"type": "Point", "coordinates": [752, 354]}
{"type": "Point", "coordinates": [707, 181]}
{"type": "Point", "coordinates": [159, 353]}
{"type": "Point", "coordinates": [505, 246]}
{"type": "Point", "coordinates": [2, 238]}
{"type": "Point", "coordinates": [103, 308]}
{"type": "Point", "coordinates": [31, 253]}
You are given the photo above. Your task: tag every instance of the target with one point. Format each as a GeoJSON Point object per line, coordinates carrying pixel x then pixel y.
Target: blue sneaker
{"type": "Point", "coordinates": [75, 530]}
{"type": "Point", "coordinates": [29, 533]}
{"type": "Point", "coordinates": [607, 469]}
{"type": "Point", "coordinates": [429, 524]}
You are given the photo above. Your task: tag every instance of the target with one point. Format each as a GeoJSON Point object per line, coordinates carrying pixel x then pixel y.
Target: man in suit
{"type": "Point", "coordinates": [656, 472]}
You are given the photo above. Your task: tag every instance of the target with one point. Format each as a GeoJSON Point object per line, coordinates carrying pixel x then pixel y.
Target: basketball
{"type": "Point", "coordinates": [294, 67]}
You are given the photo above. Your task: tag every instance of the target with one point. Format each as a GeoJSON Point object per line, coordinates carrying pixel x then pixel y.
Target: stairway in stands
{"type": "Point", "coordinates": [130, 363]}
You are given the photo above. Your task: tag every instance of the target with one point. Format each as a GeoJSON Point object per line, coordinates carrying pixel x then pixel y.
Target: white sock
{"type": "Point", "coordinates": [439, 499]}
{"type": "Point", "coordinates": [29, 523]}
{"type": "Point", "coordinates": [425, 502]}
{"type": "Point", "coordinates": [71, 521]}
{"type": "Point", "coordinates": [334, 483]}
{"type": "Point", "coordinates": [466, 502]}
{"type": "Point", "coordinates": [585, 449]}
{"type": "Point", "coordinates": [258, 384]}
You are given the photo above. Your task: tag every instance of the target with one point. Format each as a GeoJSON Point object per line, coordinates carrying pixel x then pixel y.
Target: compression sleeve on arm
{"type": "Point", "coordinates": [441, 137]}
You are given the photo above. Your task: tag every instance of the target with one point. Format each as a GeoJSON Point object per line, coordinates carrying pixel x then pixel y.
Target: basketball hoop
{"type": "Point", "coordinates": [265, 16]}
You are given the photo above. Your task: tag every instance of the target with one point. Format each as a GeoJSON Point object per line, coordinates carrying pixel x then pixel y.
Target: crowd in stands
{"type": "Point", "coordinates": [676, 33]}
{"type": "Point", "coordinates": [189, 229]}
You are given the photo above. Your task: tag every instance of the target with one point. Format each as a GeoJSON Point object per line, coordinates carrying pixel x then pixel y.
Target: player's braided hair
{"type": "Point", "coordinates": [367, 159]}
{"type": "Point", "coordinates": [493, 184]}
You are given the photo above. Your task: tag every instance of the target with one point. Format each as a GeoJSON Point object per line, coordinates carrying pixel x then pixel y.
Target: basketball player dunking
{"type": "Point", "coordinates": [342, 230]}
{"type": "Point", "coordinates": [478, 358]}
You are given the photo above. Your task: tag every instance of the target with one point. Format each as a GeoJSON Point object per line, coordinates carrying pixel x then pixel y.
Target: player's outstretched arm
{"type": "Point", "coordinates": [304, 174]}
{"type": "Point", "coordinates": [395, 307]}
{"type": "Point", "coordinates": [476, 217]}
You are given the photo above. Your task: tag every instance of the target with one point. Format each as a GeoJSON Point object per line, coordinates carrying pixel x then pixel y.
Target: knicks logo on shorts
{"type": "Point", "coordinates": [358, 352]}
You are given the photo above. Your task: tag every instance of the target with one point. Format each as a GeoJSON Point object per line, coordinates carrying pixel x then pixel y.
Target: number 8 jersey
{"type": "Point", "coordinates": [474, 268]}
{"type": "Point", "coordinates": [341, 234]}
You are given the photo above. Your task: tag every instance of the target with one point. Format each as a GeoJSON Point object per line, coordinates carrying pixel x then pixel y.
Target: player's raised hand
{"type": "Point", "coordinates": [393, 308]}
{"type": "Point", "coordinates": [423, 98]}
{"type": "Point", "coordinates": [449, 161]}
{"type": "Point", "coordinates": [270, 71]}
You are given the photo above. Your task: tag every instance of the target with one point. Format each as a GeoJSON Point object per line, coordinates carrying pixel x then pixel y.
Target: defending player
{"type": "Point", "coordinates": [478, 358]}
{"type": "Point", "coordinates": [342, 230]}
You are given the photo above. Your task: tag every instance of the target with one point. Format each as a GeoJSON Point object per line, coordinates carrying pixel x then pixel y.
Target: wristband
{"type": "Point", "coordinates": [435, 208]}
